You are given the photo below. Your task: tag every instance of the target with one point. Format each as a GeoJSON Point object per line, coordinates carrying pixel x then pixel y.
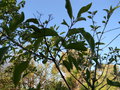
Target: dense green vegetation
{"type": "Point", "coordinates": [34, 56]}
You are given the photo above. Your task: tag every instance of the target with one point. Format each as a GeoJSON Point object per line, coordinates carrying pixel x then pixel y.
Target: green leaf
{"type": "Point", "coordinates": [74, 31]}
{"type": "Point", "coordinates": [81, 19]}
{"type": "Point", "coordinates": [67, 65]}
{"type": "Point", "coordinates": [94, 12]}
{"type": "Point", "coordinates": [73, 61]}
{"type": "Point", "coordinates": [2, 4]}
{"type": "Point", "coordinates": [33, 20]}
{"type": "Point", "coordinates": [25, 74]}
{"type": "Point", "coordinates": [85, 34]}
{"type": "Point", "coordinates": [70, 59]}
{"type": "Point", "coordinates": [18, 70]}
{"type": "Point", "coordinates": [38, 86]}
{"type": "Point", "coordinates": [5, 27]}
{"type": "Point", "coordinates": [44, 61]}
{"type": "Point", "coordinates": [100, 43]}
{"type": "Point", "coordinates": [103, 21]}
{"type": "Point", "coordinates": [77, 46]}
{"type": "Point", "coordinates": [115, 69]}
{"type": "Point", "coordinates": [57, 40]}
{"type": "Point", "coordinates": [84, 9]}
{"type": "Point", "coordinates": [16, 21]}
{"type": "Point", "coordinates": [87, 74]}
{"type": "Point", "coordinates": [42, 32]}
{"type": "Point", "coordinates": [35, 28]}
{"type": "Point", "coordinates": [113, 83]}
{"type": "Point", "coordinates": [3, 50]}
{"type": "Point", "coordinates": [21, 18]}
{"type": "Point", "coordinates": [89, 17]}
{"type": "Point", "coordinates": [37, 43]}
{"type": "Point", "coordinates": [89, 39]}
{"type": "Point", "coordinates": [69, 8]}
{"type": "Point", "coordinates": [64, 23]}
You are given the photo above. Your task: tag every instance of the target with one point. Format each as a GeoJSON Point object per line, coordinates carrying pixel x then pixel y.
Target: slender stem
{"type": "Point", "coordinates": [111, 41]}
{"type": "Point", "coordinates": [79, 81]}
{"type": "Point", "coordinates": [61, 74]}
{"type": "Point", "coordinates": [39, 56]}
{"type": "Point", "coordinates": [57, 66]}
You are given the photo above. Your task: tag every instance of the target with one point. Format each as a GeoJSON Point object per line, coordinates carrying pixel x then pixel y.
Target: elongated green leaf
{"type": "Point", "coordinates": [37, 43]}
{"type": "Point", "coordinates": [21, 18]}
{"type": "Point", "coordinates": [16, 21]}
{"type": "Point", "coordinates": [74, 31]}
{"type": "Point", "coordinates": [73, 61]}
{"type": "Point", "coordinates": [67, 65]}
{"type": "Point", "coordinates": [81, 19]}
{"type": "Point", "coordinates": [3, 50]}
{"type": "Point", "coordinates": [33, 20]}
{"type": "Point", "coordinates": [84, 9]}
{"type": "Point", "coordinates": [57, 40]}
{"type": "Point", "coordinates": [35, 28]}
{"type": "Point", "coordinates": [69, 8]}
{"type": "Point", "coordinates": [85, 34]}
{"type": "Point", "coordinates": [77, 46]}
{"type": "Point", "coordinates": [18, 70]}
{"type": "Point", "coordinates": [70, 59]}
{"type": "Point", "coordinates": [88, 74]}
{"type": "Point", "coordinates": [43, 32]}
{"type": "Point", "coordinates": [89, 39]}
{"type": "Point", "coordinates": [100, 43]}
{"type": "Point", "coordinates": [5, 27]}
{"type": "Point", "coordinates": [38, 86]}
{"type": "Point", "coordinates": [115, 69]}
{"type": "Point", "coordinates": [113, 83]}
{"type": "Point", "coordinates": [64, 23]}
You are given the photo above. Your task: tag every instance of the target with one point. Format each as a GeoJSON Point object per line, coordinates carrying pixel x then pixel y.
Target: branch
{"type": "Point", "coordinates": [61, 74]}
{"type": "Point", "coordinates": [54, 60]}
{"type": "Point", "coordinates": [106, 84]}
{"type": "Point", "coordinates": [39, 56]}
{"type": "Point", "coordinates": [79, 81]}
{"type": "Point", "coordinates": [104, 76]}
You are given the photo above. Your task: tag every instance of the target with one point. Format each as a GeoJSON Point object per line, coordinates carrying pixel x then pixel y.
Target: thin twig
{"type": "Point", "coordinates": [111, 41]}
{"type": "Point", "coordinates": [79, 81]}
{"type": "Point", "coordinates": [112, 29]}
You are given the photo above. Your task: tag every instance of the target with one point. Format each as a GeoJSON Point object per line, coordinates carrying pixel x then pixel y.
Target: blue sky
{"type": "Point", "coordinates": [57, 9]}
